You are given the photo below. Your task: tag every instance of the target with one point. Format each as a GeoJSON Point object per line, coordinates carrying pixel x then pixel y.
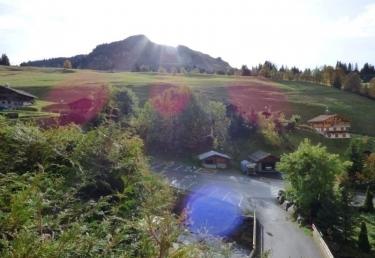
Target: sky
{"type": "Point", "coordinates": [290, 32]}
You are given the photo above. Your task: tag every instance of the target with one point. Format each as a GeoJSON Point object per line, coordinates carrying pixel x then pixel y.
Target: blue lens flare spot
{"type": "Point", "coordinates": [213, 210]}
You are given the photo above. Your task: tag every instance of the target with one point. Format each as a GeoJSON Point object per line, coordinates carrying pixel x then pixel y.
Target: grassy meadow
{"type": "Point", "coordinates": [304, 99]}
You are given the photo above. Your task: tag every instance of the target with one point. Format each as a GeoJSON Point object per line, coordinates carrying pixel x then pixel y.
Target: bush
{"type": "Point", "coordinates": [69, 193]}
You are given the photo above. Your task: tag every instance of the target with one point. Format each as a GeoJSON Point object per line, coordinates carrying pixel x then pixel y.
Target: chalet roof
{"type": "Point", "coordinates": [212, 153]}
{"type": "Point", "coordinates": [322, 118]}
{"type": "Point", "coordinates": [259, 155]}
{"type": "Point", "coordinates": [19, 92]}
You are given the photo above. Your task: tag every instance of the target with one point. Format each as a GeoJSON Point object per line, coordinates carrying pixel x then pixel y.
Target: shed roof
{"type": "Point", "coordinates": [212, 153]}
{"type": "Point", "coordinates": [322, 118]}
{"type": "Point", "coordinates": [20, 92]}
{"type": "Point", "coordinates": [259, 155]}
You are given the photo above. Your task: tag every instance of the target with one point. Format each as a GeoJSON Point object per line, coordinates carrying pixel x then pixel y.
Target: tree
{"type": "Point", "coordinates": [352, 82]}
{"type": "Point", "coordinates": [355, 154]}
{"type": "Point", "coordinates": [338, 77]}
{"type": "Point", "coordinates": [245, 71]}
{"type": "Point", "coordinates": [268, 129]}
{"type": "Point", "coordinates": [368, 173]}
{"type": "Point", "coordinates": [67, 64]}
{"type": "Point", "coordinates": [336, 81]}
{"type": "Point", "coordinates": [126, 101]}
{"type": "Point", "coordinates": [327, 74]}
{"type": "Point", "coordinates": [4, 60]}
{"type": "Point", "coordinates": [177, 120]}
{"type": "Point", "coordinates": [311, 172]}
{"type": "Point", "coordinates": [219, 123]}
{"type": "Point", "coordinates": [346, 212]}
{"type": "Point", "coordinates": [367, 72]}
{"type": "Point", "coordinates": [368, 206]}
{"type": "Point", "coordinates": [363, 242]}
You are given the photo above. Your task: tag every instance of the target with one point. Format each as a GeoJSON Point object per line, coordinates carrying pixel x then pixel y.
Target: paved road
{"type": "Point", "coordinates": [280, 235]}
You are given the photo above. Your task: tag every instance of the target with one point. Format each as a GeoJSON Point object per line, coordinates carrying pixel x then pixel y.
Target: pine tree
{"type": "Point", "coordinates": [363, 242]}
{"type": "Point", "coordinates": [368, 205]}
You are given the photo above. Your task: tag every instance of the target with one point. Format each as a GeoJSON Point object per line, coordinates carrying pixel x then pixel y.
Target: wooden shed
{"type": "Point", "coordinates": [12, 98]}
{"type": "Point", "coordinates": [214, 159]}
{"type": "Point", "coordinates": [265, 162]}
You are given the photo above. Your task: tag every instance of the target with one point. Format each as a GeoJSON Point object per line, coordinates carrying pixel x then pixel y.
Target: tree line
{"type": "Point", "coordinates": [344, 76]}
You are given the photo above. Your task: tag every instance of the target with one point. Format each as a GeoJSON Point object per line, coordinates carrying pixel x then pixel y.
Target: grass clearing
{"type": "Point", "coordinates": [303, 98]}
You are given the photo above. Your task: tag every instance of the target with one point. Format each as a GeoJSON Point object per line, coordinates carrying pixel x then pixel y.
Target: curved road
{"type": "Point", "coordinates": [280, 235]}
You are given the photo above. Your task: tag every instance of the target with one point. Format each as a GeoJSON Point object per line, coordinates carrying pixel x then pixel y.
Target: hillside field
{"type": "Point", "coordinates": [305, 99]}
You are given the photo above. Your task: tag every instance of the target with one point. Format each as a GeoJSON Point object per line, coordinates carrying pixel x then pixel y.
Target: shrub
{"type": "Point", "coordinates": [69, 193]}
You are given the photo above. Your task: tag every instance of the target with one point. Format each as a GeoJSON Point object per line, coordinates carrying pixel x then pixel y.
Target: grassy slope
{"type": "Point", "coordinates": [305, 99]}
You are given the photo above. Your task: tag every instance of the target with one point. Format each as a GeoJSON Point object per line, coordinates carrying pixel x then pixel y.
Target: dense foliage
{"type": "Point", "coordinates": [311, 172]}
{"type": "Point", "coordinates": [360, 153]}
{"type": "Point", "coordinates": [65, 193]}
{"type": "Point", "coordinates": [178, 120]}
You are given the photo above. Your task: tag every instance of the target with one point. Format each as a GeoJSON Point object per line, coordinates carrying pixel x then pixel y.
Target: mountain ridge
{"type": "Point", "coordinates": [138, 53]}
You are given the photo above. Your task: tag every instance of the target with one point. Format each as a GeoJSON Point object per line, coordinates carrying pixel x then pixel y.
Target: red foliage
{"type": "Point", "coordinates": [170, 101]}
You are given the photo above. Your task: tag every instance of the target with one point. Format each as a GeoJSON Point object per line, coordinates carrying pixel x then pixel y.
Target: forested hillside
{"type": "Point", "coordinates": [138, 53]}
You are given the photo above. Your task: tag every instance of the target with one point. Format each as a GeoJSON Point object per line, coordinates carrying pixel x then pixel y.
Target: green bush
{"type": "Point", "coordinates": [69, 193]}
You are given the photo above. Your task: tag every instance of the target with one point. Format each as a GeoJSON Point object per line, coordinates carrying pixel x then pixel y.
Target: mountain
{"type": "Point", "coordinates": [138, 53]}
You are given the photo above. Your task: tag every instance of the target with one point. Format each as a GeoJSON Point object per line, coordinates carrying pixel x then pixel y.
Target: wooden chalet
{"type": "Point", "coordinates": [11, 98]}
{"type": "Point", "coordinates": [331, 126]}
{"type": "Point", "coordinates": [264, 162]}
{"type": "Point", "coordinates": [214, 159]}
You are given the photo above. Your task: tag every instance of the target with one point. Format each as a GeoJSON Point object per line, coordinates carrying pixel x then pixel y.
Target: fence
{"type": "Point", "coordinates": [322, 244]}
{"type": "Point", "coordinates": [254, 244]}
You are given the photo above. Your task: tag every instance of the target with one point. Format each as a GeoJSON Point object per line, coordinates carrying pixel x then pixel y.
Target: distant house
{"type": "Point", "coordinates": [264, 162]}
{"type": "Point", "coordinates": [214, 159]}
{"type": "Point", "coordinates": [331, 126]}
{"type": "Point", "coordinates": [11, 98]}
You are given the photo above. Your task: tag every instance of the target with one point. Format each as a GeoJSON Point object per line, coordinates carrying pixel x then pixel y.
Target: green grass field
{"type": "Point", "coordinates": [305, 99]}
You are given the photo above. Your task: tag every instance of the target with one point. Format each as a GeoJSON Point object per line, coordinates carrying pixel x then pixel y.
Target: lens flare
{"type": "Point", "coordinates": [213, 209]}
{"type": "Point", "coordinates": [169, 100]}
{"type": "Point", "coordinates": [78, 99]}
